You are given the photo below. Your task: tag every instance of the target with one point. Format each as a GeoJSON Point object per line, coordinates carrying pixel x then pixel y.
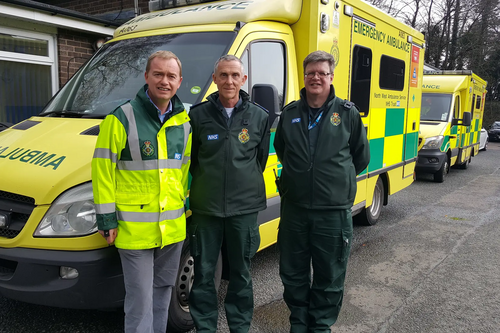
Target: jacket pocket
{"type": "Point", "coordinates": [135, 193]}
{"type": "Point", "coordinates": [194, 247]}
{"type": "Point", "coordinates": [346, 245]}
{"type": "Point", "coordinates": [253, 241]}
{"type": "Point", "coordinates": [351, 184]}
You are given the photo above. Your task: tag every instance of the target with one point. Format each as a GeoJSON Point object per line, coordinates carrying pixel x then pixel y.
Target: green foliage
{"type": "Point", "coordinates": [491, 113]}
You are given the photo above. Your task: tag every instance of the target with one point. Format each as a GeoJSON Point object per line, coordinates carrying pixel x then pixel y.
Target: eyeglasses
{"type": "Point", "coordinates": [311, 75]}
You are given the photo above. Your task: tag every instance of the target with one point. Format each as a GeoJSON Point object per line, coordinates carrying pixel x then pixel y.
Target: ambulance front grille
{"type": "Point", "coordinates": [18, 209]}
{"type": "Point", "coordinates": [7, 233]}
{"type": "Point", "coordinates": [16, 197]}
{"type": "Point", "coordinates": [18, 222]}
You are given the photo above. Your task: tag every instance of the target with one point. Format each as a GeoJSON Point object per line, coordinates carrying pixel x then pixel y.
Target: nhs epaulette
{"type": "Point", "coordinates": [348, 104]}
{"type": "Point", "coordinates": [195, 105]}
{"type": "Point", "coordinates": [286, 107]}
{"type": "Point", "coordinates": [260, 106]}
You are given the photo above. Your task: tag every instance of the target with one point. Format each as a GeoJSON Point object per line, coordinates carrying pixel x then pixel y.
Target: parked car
{"type": "Point", "coordinates": [483, 139]}
{"type": "Point", "coordinates": [494, 131]}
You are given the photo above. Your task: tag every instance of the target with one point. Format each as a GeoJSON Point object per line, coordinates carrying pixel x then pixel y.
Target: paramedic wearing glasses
{"type": "Point", "coordinates": [322, 145]}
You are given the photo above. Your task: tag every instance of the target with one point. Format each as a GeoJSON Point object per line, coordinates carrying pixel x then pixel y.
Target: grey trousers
{"type": "Point", "coordinates": [149, 279]}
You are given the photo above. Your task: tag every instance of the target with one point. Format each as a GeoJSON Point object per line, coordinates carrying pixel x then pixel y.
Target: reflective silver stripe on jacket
{"type": "Point", "coordinates": [105, 153]}
{"type": "Point", "coordinates": [187, 130]}
{"type": "Point", "coordinates": [105, 208]}
{"type": "Point", "coordinates": [132, 135]}
{"type": "Point", "coordinates": [149, 217]}
{"type": "Point", "coordinates": [148, 165]}
{"type": "Point", "coordinates": [186, 159]}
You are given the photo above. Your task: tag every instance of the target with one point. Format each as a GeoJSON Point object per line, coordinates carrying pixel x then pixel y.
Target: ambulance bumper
{"type": "Point", "coordinates": [430, 160]}
{"type": "Point", "coordinates": [34, 276]}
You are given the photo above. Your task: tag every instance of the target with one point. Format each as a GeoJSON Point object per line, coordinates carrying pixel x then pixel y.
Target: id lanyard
{"type": "Point", "coordinates": [315, 123]}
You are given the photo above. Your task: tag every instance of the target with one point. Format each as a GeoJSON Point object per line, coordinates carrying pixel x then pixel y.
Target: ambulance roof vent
{"type": "Point", "coordinates": [25, 125]}
{"type": "Point", "coordinates": [91, 131]}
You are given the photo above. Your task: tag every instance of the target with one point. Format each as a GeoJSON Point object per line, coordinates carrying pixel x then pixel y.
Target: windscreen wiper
{"type": "Point", "coordinates": [73, 114]}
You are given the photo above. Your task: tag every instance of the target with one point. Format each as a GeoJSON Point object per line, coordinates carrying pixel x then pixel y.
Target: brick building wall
{"type": "Point", "coordinates": [74, 49]}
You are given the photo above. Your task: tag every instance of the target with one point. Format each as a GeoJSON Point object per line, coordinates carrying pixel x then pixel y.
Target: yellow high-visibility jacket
{"type": "Point", "coordinates": [140, 174]}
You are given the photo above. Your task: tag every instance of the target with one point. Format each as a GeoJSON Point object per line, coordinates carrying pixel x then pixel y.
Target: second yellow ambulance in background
{"type": "Point", "coordinates": [450, 122]}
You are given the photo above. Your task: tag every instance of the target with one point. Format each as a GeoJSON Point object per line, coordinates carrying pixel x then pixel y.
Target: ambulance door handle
{"type": "Point", "coordinates": [414, 125]}
{"type": "Point", "coordinates": [453, 136]}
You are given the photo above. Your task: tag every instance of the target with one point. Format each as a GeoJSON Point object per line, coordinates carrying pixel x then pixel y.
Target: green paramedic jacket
{"type": "Point", "coordinates": [342, 152]}
{"type": "Point", "coordinates": [140, 174]}
{"type": "Point", "coordinates": [228, 160]}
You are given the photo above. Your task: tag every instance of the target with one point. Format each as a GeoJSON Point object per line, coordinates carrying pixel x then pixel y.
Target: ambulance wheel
{"type": "Point", "coordinates": [179, 317]}
{"type": "Point", "coordinates": [465, 166]}
{"type": "Point", "coordinates": [443, 171]}
{"type": "Point", "coordinates": [369, 216]}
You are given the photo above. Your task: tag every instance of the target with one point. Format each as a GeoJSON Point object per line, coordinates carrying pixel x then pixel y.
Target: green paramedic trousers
{"type": "Point", "coordinates": [323, 236]}
{"type": "Point", "coordinates": [240, 235]}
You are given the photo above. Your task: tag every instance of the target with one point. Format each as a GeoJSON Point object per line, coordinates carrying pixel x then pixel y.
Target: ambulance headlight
{"type": "Point", "coordinates": [72, 214]}
{"type": "Point", "coordinates": [434, 142]}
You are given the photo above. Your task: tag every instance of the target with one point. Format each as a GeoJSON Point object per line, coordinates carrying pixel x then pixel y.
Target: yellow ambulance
{"type": "Point", "coordinates": [50, 252]}
{"type": "Point", "coordinates": [450, 121]}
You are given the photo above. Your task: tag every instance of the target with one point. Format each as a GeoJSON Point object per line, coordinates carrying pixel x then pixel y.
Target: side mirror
{"type": "Point", "coordinates": [467, 119]}
{"type": "Point", "coordinates": [266, 95]}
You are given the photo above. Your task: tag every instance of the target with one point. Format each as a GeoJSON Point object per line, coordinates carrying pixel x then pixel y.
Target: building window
{"type": "Point", "coordinates": [27, 73]}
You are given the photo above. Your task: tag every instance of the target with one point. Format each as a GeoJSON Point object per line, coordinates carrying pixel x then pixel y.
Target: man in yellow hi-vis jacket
{"type": "Point", "coordinates": [140, 178]}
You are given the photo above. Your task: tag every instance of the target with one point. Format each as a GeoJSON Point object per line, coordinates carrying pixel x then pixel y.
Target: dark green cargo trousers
{"type": "Point", "coordinates": [323, 237]}
{"type": "Point", "coordinates": [207, 234]}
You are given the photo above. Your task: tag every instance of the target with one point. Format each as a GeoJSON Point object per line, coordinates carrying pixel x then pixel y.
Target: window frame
{"type": "Point", "coordinates": [248, 70]}
{"type": "Point", "coordinates": [50, 60]}
{"type": "Point", "coordinates": [364, 113]}
{"type": "Point", "coordinates": [381, 74]}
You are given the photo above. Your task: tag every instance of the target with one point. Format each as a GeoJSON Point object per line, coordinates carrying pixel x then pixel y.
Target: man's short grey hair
{"type": "Point", "coordinates": [229, 57]}
{"type": "Point", "coordinates": [319, 56]}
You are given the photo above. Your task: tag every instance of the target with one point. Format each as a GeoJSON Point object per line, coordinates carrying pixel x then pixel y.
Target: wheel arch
{"type": "Point", "coordinates": [385, 181]}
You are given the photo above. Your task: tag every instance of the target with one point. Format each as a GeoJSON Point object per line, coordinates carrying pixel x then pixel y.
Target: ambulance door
{"type": "Point", "coordinates": [454, 131]}
{"type": "Point", "coordinates": [464, 132]}
{"type": "Point", "coordinates": [266, 58]}
{"type": "Point", "coordinates": [361, 90]}
{"type": "Point", "coordinates": [414, 103]}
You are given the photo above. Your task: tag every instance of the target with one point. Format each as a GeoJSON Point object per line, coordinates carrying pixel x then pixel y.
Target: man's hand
{"type": "Point", "coordinates": [110, 235]}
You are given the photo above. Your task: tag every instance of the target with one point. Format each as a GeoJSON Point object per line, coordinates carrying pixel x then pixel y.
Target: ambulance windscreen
{"type": "Point", "coordinates": [116, 73]}
{"type": "Point", "coordinates": [435, 107]}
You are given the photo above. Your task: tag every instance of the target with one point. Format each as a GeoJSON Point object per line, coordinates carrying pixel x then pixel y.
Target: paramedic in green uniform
{"type": "Point", "coordinates": [230, 150]}
{"type": "Point", "coordinates": [321, 143]}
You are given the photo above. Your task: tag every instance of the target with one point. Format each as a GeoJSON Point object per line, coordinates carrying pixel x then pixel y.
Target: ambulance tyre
{"type": "Point", "coordinates": [443, 171]}
{"type": "Point", "coordinates": [369, 216]}
{"type": "Point", "coordinates": [465, 166]}
{"type": "Point", "coordinates": [179, 317]}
